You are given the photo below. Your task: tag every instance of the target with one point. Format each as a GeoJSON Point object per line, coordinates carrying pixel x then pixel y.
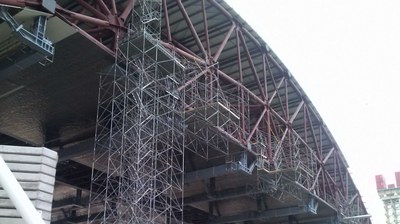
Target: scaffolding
{"type": "Point", "coordinates": [210, 86]}
{"type": "Point", "coordinates": [138, 159]}
{"type": "Point", "coordinates": [154, 104]}
{"type": "Point", "coordinates": [211, 121]}
{"type": "Point", "coordinates": [292, 172]}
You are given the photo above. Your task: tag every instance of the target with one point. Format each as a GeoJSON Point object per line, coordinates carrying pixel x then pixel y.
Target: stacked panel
{"type": "Point", "coordinates": [35, 169]}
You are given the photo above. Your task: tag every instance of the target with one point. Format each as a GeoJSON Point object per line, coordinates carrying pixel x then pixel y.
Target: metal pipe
{"type": "Point", "coordinates": [92, 9]}
{"type": "Point", "coordinates": [294, 115]}
{"type": "Point", "coordinates": [221, 47]}
{"type": "Point", "coordinates": [206, 28]}
{"type": "Point", "coordinates": [180, 88]}
{"type": "Point", "coordinates": [231, 80]}
{"type": "Point", "coordinates": [127, 10]}
{"type": "Point", "coordinates": [113, 7]}
{"type": "Point", "coordinates": [252, 38]}
{"type": "Point", "coordinates": [210, 172]}
{"type": "Point", "coordinates": [358, 217]}
{"type": "Point", "coordinates": [191, 28]}
{"type": "Point", "coordinates": [256, 125]}
{"type": "Point", "coordinates": [88, 19]}
{"type": "Point", "coordinates": [18, 196]}
{"type": "Point", "coordinates": [239, 61]}
{"type": "Point", "coordinates": [183, 53]}
{"type": "Point", "coordinates": [103, 7]}
{"type": "Point", "coordinates": [166, 16]}
{"type": "Point", "coordinates": [222, 9]}
{"type": "Point", "coordinates": [88, 36]}
{"type": "Point", "coordinates": [251, 63]}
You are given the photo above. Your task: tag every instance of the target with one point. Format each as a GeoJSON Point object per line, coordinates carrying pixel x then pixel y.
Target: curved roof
{"type": "Point", "coordinates": [207, 32]}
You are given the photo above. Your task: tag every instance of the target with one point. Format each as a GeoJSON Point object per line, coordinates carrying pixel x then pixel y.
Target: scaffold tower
{"type": "Point", "coordinates": [139, 133]}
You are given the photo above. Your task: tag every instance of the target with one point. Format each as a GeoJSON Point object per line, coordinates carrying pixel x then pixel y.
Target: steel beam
{"type": "Point", "coordinates": [104, 8]}
{"type": "Point", "coordinates": [251, 63]}
{"type": "Point", "coordinates": [265, 215]}
{"type": "Point", "coordinates": [191, 27]}
{"type": "Point", "coordinates": [221, 9]}
{"type": "Point", "coordinates": [320, 220]}
{"type": "Point", "coordinates": [127, 10]}
{"type": "Point", "coordinates": [205, 20]}
{"type": "Point", "coordinates": [167, 23]}
{"type": "Point", "coordinates": [222, 45]}
{"type": "Point", "coordinates": [223, 195]}
{"type": "Point", "coordinates": [68, 202]}
{"type": "Point", "coordinates": [77, 219]}
{"type": "Point", "coordinates": [78, 149]}
{"type": "Point", "coordinates": [93, 10]}
{"type": "Point", "coordinates": [215, 171]}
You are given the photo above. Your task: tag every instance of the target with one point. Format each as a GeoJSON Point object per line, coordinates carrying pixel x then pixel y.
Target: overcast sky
{"type": "Point", "coordinates": [345, 55]}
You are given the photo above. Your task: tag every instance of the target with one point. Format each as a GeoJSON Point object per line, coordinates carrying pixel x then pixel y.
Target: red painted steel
{"type": "Point", "coordinates": [166, 16]}
{"type": "Point", "coordinates": [275, 123]}
{"type": "Point", "coordinates": [191, 27]}
{"type": "Point", "coordinates": [221, 47]}
{"type": "Point", "coordinates": [205, 21]}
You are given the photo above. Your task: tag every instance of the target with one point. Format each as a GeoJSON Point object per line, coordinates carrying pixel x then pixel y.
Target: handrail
{"type": "Point", "coordinates": [34, 40]}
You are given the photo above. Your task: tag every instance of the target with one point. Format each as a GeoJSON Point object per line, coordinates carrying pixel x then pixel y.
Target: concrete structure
{"type": "Point", "coordinates": [34, 168]}
{"type": "Point", "coordinates": [390, 195]}
{"type": "Point", "coordinates": [167, 111]}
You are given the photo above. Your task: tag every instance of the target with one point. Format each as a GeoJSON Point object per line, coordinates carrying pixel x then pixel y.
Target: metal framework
{"type": "Point", "coordinates": [216, 90]}
{"type": "Point", "coordinates": [34, 39]}
{"type": "Point", "coordinates": [140, 129]}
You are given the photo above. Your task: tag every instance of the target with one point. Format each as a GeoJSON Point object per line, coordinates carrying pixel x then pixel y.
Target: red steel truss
{"type": "Point", "coordinates": [277, 122]}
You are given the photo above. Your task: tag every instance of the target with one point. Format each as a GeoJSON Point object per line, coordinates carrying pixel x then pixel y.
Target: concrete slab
{"type": "Point", "coordinates": [12, 220]}
{"type": "Point", "coordinates": [10, 158]}
{"type": "Point", "coordinates": [31, 168]}
{"type": "Point", "coordinates": [39, 205]}
{"type": "Point", "coordinates": [5, 212]}
{"type": "Point", "coordinates": [39, 186]}
{"type": "Point", "coordinates": [35, 177]}
{"type": "Point", "coordinates": [23, 150]}
{"type": "Point", "coordinates": [35, 170]}
{"type": "Point", "coordinates": [33, 195]}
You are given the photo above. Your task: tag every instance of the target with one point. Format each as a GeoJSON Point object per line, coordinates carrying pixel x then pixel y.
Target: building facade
{"type": "Point", "coordinates": [390, 195]}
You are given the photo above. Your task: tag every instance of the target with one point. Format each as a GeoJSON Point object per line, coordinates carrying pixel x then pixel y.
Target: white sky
{"type": "Point", "coordinates": [345, 55]}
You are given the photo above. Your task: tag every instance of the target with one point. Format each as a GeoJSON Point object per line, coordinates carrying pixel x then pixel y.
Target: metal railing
{"type": "Point", "coordinates": [35, 40]}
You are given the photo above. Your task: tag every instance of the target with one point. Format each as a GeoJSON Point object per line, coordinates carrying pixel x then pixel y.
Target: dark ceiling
{"type": "Point", "coordinates": [54, 104]}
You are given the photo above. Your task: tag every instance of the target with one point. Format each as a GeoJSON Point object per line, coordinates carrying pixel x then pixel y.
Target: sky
{"type": "Point", "coordinates": [346, 56]}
